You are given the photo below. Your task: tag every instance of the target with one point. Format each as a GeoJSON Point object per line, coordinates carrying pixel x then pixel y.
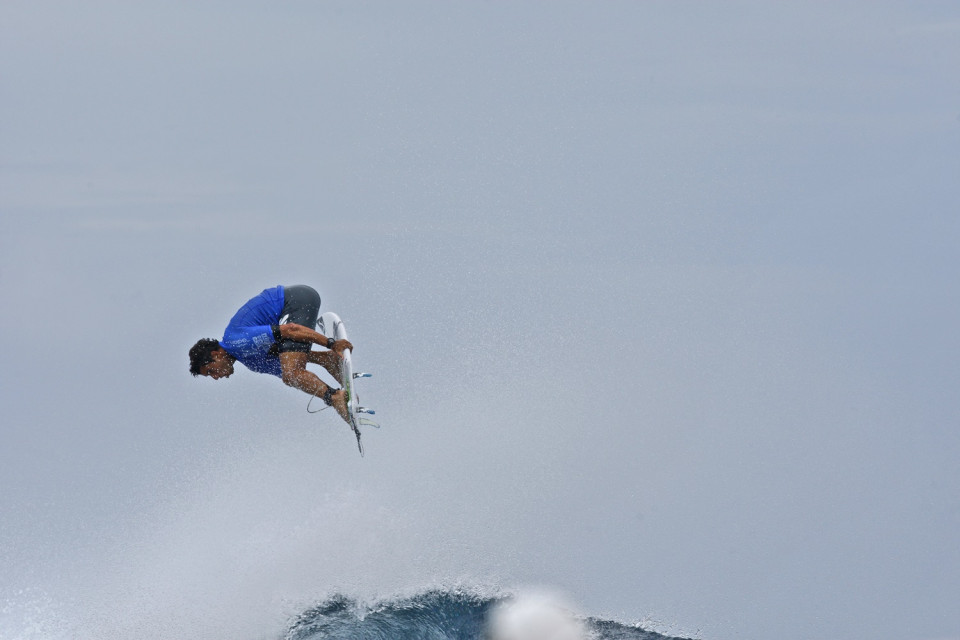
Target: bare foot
{"type": "Point", "coordinates": [338, 401]}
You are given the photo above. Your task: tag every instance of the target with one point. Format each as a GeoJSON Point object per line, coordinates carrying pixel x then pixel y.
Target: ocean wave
{"type": "Point", "coordinates": [434, 615]}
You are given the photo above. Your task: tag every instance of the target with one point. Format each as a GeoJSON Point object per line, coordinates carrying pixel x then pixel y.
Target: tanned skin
{"type": "Point", "coordinates": [293, 365]}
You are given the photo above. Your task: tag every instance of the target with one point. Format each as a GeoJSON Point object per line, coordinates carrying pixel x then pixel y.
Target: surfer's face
{"type": "Point", "coordinates": [220, 367]}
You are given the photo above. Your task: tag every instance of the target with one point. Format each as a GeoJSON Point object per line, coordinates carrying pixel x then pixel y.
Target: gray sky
{"type": "Point", "coordinates": [660, 298]}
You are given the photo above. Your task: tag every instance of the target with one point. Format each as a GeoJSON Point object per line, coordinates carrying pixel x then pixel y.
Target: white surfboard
{"type": "Point", "coordinates": [332, 326]}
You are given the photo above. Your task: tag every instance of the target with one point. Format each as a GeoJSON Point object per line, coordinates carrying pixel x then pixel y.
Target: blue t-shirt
{"type": "Point", "coordinates": [249, 336]}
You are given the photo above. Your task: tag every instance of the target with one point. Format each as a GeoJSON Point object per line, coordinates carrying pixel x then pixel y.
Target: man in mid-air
{"type": "Point", "coordinates": [273, 333]}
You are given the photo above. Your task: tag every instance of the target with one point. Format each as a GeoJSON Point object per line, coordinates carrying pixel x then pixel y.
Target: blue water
{"type": "Point", "coordinates": [435, 615]}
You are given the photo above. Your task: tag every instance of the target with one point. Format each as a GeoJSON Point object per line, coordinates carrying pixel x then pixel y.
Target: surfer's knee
{"type": "Point", "coordinates": [293, 369]}
{"type": "Point", "coordinates": [293, 377]}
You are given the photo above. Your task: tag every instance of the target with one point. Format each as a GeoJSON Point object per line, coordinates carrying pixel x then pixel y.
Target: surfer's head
{"type": "Point", "coordinates": [208, 358]}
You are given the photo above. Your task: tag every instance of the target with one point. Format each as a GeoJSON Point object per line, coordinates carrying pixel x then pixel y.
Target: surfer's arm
{"type": "Point", "coordinates": [301, 333]}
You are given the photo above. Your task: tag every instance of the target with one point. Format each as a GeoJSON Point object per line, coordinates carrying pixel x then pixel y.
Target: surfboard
{"type": "Point", "coordinates": [332, 326]}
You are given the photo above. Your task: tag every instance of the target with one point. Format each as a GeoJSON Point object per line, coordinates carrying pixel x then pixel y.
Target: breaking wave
{"type": "Point", "coordinates": [450, 615]}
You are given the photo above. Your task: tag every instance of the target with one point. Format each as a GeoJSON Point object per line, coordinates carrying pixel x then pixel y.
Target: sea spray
{"type": "Point", "coordinates": [535, 617]}
{"type": "Point", "coordinates": [456, 615]}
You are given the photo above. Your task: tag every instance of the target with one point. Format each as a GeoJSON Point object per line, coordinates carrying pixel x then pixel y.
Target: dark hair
{"type": "Point", "coordinates": [200, 354]}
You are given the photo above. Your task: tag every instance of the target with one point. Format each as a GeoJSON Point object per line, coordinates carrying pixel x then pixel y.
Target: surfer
{"type": "Point", "coordinates": [273, 333]}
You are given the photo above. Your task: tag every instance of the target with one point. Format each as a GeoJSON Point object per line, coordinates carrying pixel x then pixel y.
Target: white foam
{"type": "Point", "coordinates": [535, 617]}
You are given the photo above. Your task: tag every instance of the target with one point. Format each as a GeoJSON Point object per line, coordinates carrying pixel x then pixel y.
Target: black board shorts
{"type": "Point", "coordinates": [301, 305]}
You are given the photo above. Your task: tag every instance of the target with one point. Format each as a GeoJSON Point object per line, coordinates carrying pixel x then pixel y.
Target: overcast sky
{"type": "Point", "coordinates": [661, 299]}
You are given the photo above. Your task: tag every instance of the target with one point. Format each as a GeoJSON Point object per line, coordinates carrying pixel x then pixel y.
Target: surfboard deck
{"type": "Point", "coordinates": [332, 326]}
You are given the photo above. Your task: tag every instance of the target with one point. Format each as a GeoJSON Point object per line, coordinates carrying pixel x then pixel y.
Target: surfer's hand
{"type": "Point", "coordinates": [340, 345]}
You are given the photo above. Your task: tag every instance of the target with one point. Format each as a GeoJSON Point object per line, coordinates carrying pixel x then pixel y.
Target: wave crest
{"type": "Point", "coordinates": [432, 615]}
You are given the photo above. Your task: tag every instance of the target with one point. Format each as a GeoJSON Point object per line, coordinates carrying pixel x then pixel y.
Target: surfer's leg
{"type": "Point", "coordinates": [338, 400]}
{"type": "Point", "coordinates": [301, 305]}
{"type": "Point", "coordinates": [295, 374]}
{"type": "Point", "coordinates": [328, 360]}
